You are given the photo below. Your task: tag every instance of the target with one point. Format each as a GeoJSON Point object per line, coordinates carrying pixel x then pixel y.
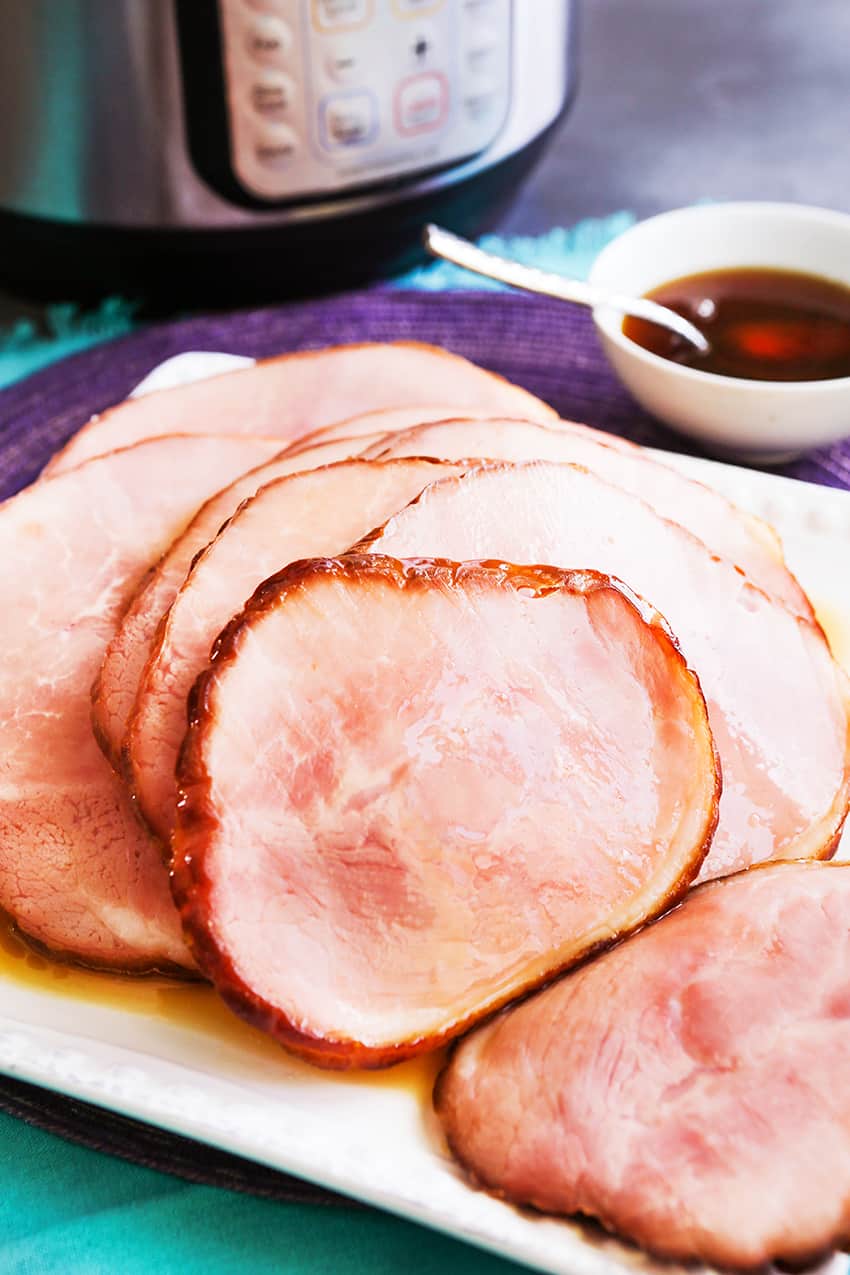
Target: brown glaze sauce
{"type": "Point", "coordinates": [184, 1004]}
{"type": "Point", "coordinates": [762, 325]}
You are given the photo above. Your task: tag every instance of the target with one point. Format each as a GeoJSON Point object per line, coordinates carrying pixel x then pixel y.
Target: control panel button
{"type": "Point", "coordinates": [416, 8]}
{"type": "Point", "coordinates": [421, 103]}
{"type": "Point", "coordinates": [483, 50]}
{"type": "Point", "coordinates": [331, 95]}
{"type": "Point", "coordinates": [341, 15]}
{"type": "Point", "coordinates": [272, 94]}
{"type": "Point", "coordinates": [275, 147]}
{"type": "Point", "coordinates": [343, 64]}
{"type": "Point", "coordinates": [348, 119]}
{"type": "Point", "coordinates": [481, 103]}
{"type": "Point", "coordinates": [268, 40]}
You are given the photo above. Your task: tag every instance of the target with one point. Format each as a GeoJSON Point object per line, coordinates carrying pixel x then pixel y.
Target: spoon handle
{"type": "Point", "coordinates": [460, 252]}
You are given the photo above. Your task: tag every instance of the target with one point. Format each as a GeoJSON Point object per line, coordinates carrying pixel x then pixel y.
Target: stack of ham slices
{"type": "Point", "coordinates": [361, 685]}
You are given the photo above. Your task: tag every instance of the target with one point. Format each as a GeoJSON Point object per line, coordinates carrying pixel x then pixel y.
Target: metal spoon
{"type": "Point", "coordinates": [442, 243]}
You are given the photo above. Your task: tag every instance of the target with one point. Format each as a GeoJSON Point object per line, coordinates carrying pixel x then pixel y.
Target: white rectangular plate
{"type": "Point", "coordinates": [172, 1056]}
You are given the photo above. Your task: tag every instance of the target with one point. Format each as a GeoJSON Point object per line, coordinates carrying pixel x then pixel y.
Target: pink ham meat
{"type": "Point", "coordinates": [686, 1089]}
{"type": "Point", "coordinates": [392, 420]}
{"type": "Point", "coordinates": [777, 700]}
{"type": "Point", "coordinates": [117, 681]}
{"type": "Point", "coordinates": [76, 870]}
{"type": "Point", "coordinates": [295, 393]}
{"type": "Point", "coordinates": [399, 420]}
{"type": "Point", "coordinates": [306, 515]}
{"type": "Point", "coordinates": [401, 805]}
{"type": "Point", "coordinates": [745, 540]}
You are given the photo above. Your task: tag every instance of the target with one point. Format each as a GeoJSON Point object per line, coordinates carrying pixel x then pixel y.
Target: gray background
{"type": "Point", "coordinates": [684, 99]}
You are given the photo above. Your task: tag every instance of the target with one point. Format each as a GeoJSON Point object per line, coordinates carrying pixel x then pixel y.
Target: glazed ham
{"type": "Point", "coordinates": [117, 681]}
{"type": "Point", "coordinates": [306, 515]}
{"type": "Point", "coordinates": [401, 805]}
{"type": "Point", "coordinates": [686, 1089]}
{"type": "Point", "coordinates": [77, 872]}
{"type": "Point", "coordinates": [295, 393]}
{"type": "Point", "coordinates": [777, 700]}
{"type": "Point", "coordinates": [746, 541]}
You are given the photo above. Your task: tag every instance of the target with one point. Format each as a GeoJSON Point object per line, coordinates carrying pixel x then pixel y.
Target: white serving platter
{"type": "Point", "coordinates": [172, 1056]}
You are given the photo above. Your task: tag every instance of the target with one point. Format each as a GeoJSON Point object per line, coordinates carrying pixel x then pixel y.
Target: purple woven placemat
{"type": "Point", "coordinates": [544, 345]}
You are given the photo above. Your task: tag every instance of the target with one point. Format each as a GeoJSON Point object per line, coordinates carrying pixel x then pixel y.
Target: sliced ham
{"type": "Point", "coordinates": [305, 515]}
{"type": "Point", "coordinates": [401, 805]}
{"type": "Point", "coordinates": [688, 1089]}
{"type": "Point", "coordinates": [397, 420]}
{"type": "Point", "coordinates": [295, 393]}
{"type": "Point", "coordinates": [745, 540]}
{"type": "Point", "coordinates": [777, 700]}
{"type": "Point", "coordinates": [125, 657]}
{"type": "Point", "coordinates": [77, 872]}
{"type": "Point", "coordinates": [391, 420]}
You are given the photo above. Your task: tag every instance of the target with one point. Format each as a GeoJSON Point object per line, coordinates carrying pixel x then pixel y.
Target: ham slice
{"type": "Point", "coordinates": [686, 1089]}
{"type": "Point", "coordinates": [391, 420]}
{"type": "Point", "coordinates": [77, 872]}
{"type": "Point", "coordinates": [401, 805]}
{"type": "Point", "coordinates": [295, 393]}
{"type": "Point", "coordinates": [397, 420]}
{"type": "Point", "coordinates": [306, 515]}
{"type": "Point", "coordinates": [125, 657]}
{"type": "Point", "coordinates": [745, 540]}
{"type": "Point", "coordinates": [777, 700]}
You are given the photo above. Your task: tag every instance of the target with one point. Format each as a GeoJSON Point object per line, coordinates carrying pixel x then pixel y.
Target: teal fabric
{"type": "Point", "coordinates": [68, 1211]}
{"type": "Point", "coordinates": [567, 250]}
{"type": "Point", "coordinates": [26, 346]}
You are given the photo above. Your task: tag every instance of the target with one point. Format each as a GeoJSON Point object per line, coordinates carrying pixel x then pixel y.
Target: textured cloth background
{"type": "Point", "coordinates": [68, 1211]}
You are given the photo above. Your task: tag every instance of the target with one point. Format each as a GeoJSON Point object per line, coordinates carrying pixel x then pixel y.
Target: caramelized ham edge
{"type": "Point", "coordinates": [197, 821]}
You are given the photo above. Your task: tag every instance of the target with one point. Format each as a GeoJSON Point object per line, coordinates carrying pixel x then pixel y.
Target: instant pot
{"type": "Point", "coordinates": [239, 147]}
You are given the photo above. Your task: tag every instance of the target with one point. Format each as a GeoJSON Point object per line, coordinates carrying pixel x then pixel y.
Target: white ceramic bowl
{"type": "Point", "coordinates": [758, 420]}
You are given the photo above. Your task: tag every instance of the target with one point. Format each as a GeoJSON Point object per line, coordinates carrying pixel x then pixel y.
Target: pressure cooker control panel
{"type": "Point", "coordinates": [327, 95]}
